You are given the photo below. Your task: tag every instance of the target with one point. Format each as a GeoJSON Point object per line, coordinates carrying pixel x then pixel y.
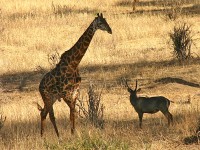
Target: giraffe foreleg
{"type": "Point", "coordinates": [72, 119]}
{"type": "Point", "coordinates": [71, 104]}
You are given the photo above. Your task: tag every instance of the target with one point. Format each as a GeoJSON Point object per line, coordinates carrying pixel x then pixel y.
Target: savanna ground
{"type": "Point", "coordinates": [139, 48]}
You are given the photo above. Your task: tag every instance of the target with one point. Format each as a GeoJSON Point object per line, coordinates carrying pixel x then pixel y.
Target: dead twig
{"type": "Point", "coordinates": [94, 111]}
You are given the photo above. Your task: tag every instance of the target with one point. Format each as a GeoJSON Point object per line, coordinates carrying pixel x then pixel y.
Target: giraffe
{"type": "Point", "coordinates": [63, 81]}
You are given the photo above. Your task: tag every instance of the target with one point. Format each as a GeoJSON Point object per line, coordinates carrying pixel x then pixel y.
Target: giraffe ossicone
{"type": "Point", "coordinates": [63, 81]}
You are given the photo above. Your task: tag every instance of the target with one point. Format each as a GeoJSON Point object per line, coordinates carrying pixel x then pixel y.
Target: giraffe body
{"type": "Point", "coordinates": [63, 81]}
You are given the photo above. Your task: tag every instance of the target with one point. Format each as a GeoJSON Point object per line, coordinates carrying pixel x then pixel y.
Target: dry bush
{"type": "Point", "coordinates": [175, 11]}
{"type": "Point", "coordinates": [172, 9]}
{"type": "Point", "coordinates": [182, 41]}
{"type": "Point", "coordinates": [53, 59]}
{"type": "Point", "coordinates": [94, 109]}
{"type": "Point", "coordinates": [60, 10]}
{"type": "Point", "coordinates": [134, 4]}
{"type": "Point", "coordinates": [2, 121]}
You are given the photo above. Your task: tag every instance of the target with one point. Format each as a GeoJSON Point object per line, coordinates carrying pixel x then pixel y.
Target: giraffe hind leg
{"type": "Point", "coordinates": [52, 118]}
{"type": "Point", "coordinates": [43, 115]}
{"type": "Point", "coordinates": [48, 106]}
{"type": "Point", "coordinates": [71, 105]}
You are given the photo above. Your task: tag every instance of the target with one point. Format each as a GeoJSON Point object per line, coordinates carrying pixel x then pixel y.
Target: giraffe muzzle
{"type": "Point", "coordinates": [109, 31]}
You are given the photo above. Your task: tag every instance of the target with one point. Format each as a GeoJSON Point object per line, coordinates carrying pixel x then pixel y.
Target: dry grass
{"type": "Point", "coordinates": [138, 48]}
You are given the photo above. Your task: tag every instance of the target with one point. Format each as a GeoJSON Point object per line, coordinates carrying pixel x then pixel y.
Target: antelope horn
{"type": "Point", "coordinates": [136, 85]}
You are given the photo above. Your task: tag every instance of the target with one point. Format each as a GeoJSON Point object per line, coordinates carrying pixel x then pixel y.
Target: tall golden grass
{"type": "Point", "coordinates": [138, 48]}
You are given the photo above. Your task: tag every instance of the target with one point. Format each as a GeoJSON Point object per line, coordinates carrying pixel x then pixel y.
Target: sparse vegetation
{"type": "Point", "coordinates": [2, 121]}
{"type": "Point", "coordinates": [87, 141]}
{"type": "Point", "coordinates": [138, 48]}
{"type": "Point", "coordinates": [134, 3]}
{"type": "Point", "coordinates": [61, 10]}
{"type": "Point", "coordinates": [94, 109]}
{"type": "Point", "coordinates": [173, 9]}
{"type": "Point", "coordinates": [53, 59]}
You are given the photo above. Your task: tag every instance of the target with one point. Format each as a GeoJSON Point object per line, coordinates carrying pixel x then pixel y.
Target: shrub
{"type": "Point", "coordinates": [182, 41]}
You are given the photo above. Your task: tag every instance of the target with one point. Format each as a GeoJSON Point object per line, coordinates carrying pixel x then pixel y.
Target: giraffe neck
{"type": "Point", "coordinates": [73, 56]}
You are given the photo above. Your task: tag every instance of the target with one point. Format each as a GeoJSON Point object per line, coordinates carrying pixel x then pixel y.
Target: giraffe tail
{"type": "Point", "coordinates": [38, 106]}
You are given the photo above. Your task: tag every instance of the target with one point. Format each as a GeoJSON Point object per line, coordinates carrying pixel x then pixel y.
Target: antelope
{"type": "Point", "coordinates": [149, 105]}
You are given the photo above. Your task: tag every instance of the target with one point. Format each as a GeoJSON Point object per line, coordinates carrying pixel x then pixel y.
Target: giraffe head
{"type": "Point", "coordinates": [100, 23]}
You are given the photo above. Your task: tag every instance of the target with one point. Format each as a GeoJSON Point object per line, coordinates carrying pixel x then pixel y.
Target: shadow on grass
{"type": "Point", "coordinates": [21, 129]}
{"type": "Point", "coordinates": [29, 81]}
{"type": "Point", "coordinates": [57, 10]}
{"type": "Point", "coordinates": [62, 10]}
{"type": "Point", "coordinates": [155, 128]}
{"type": "Point", "coordinates": [133, 124]}
{"type": "Point", "coordinates": [176, 80]}
{"type": "Point", "coordinates": [124, 3]}
{"type": "Point", "coordinates": [193, 139]}
{"type": "Point", "coordinates": [193, 9]}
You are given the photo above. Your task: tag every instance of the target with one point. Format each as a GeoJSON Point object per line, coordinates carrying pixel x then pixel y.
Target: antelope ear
{"type": "Point", "coordinates": [138, 90]}
{"type": "Point", "coordinates": [97, 14]}
{"type": "Point", "coordinates": [101, 15]}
